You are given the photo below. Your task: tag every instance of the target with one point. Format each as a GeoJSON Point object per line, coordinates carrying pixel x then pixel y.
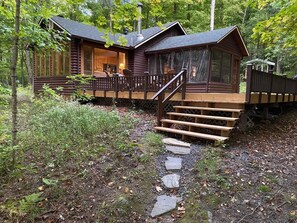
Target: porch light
{"type": "Point", "coordinates": [122, 66]}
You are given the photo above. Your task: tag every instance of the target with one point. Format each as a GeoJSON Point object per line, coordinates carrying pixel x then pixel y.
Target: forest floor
{"type": "Point", "coordinates": [253, 178]}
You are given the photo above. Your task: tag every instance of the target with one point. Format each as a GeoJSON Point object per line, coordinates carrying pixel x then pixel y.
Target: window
{"type": "Point", "coordinates": [198, 69]}
{"type": "Point", "coordinates": [195, 61]}
{"type": "Point", "coordinates": [220, 67]}
{"type": "Point", "coordinates": [88, 54]}
{"type": "Point", "coordinates": [53, 63]}
{"type": "Point", "coordinates": [98, 61]}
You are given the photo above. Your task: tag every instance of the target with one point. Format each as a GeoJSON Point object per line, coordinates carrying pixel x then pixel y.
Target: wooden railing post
{"type": "Point", "coordinates": [146, 78]}
{"type": "Point", "coordinates": [248, 84]}
{"type": "Point", "coordinates": [184, 81]}
{"type": "Point", "coordinates": [94, 86]}
{"type": "Point", "coordinates": [160, 109]}
{"type": "Point", "coordinates": [116, 86]}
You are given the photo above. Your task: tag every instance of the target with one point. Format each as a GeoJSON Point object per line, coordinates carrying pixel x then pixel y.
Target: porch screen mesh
{"type": "Point", "coordinates": [195, 61]}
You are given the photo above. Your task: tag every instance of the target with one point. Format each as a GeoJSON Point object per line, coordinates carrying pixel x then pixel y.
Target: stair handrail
{"type": "Point", "coordinates": [161, 93]}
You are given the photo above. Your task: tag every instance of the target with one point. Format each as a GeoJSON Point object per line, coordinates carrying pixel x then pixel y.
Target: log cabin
{"type": "Point", "coordinates": [200, 71]}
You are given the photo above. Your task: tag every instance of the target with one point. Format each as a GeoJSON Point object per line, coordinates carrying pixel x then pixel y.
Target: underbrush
{"type": "Point", "coordinates": [85, 150]}
{"type": "Point", "coordinates": [59, 131]}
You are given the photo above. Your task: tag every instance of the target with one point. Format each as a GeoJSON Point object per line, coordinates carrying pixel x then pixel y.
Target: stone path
{"type": "Point", "coordinates": [167, 203]}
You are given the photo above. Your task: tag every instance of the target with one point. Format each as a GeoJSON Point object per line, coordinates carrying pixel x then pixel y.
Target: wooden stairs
{"type": "Point", "coordinates": [206, 122]}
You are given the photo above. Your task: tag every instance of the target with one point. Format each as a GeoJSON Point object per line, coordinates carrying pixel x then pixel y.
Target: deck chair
{"type": "Point", "coordinates": [127, 73]}
{"type": "Point", "coordinates": [130, 81]}
{"type": "Point", "coordinates": [107, 74]}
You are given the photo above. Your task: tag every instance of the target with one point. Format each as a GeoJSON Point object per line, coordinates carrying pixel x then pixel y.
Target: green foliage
{"type": "Point", "coordinates": [4, 96]}
{"type": "Point", "coordinates": [29, 203]}
{"type": "Point", "coordinates": [242, 87]}
{"type": "Point", "coordinates": [80, 80]}
{"type": "Point", "coordinates": [152, 143]}
{"type": "Point", "coordinates": [68, 130]}
{"type": "Point", "coordinates": [49, 182]}
{"type": "Point", "coordinates": [27, 206]}
{"type": "Point", "coordinates": [264, 188]}
{"type": "Point", "coordinates": [273, 30]}
{"type": "Point", "coordinates": [48, 92]}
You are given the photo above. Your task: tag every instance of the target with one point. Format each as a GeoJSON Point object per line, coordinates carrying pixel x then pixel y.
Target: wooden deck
{"type": "Point", "coordinates": [190, 97]}
{"type": "Point", "coordinates": [211, 116]}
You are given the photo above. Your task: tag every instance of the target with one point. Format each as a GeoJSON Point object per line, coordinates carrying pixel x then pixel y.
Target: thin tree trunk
{"type": "Point", "coordinates": [22, 68]}
{"type": "Point", "coordinates": [244, 15]}
{"type": "Point", "coordinates": [212, 14]}
{"type": "Point", "coordinates": [189, 13]}
{"type": "Point", "coordinates": [14, 59]}
{"type": "Point", "coordinates": [29, 66]}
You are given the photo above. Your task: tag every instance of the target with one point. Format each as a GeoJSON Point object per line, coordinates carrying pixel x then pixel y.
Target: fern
{"type": "Point", "coordinates": [29, 203]}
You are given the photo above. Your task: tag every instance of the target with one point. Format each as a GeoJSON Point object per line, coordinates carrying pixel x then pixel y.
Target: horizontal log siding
{"type": "Point", "coordinates": [54, 83]}
{"type": "Point", "coordinates": [131, 61]}
{"type": "Point", "coordinates": [141, 60]}
{"type": "Point", "coordinates": [196, 88]}
{"type": "Point", "coordinates": [75, 56]}
{"type": "Point", "coordinates": [219, 88]}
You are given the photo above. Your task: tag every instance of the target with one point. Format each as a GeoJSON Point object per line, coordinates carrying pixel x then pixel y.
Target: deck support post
{"type": "Point", "coordinates": [265, 112]}
{"type": "Point", "coordinates": [249, 83]}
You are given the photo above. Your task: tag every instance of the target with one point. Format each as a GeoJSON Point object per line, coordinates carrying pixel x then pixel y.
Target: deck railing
{"type": "Point", "coordinates": [176, 84]}
{"type": "Point", "coordinates": [147, 83]}
{"type": "Point", "coordinates": [266, 83]}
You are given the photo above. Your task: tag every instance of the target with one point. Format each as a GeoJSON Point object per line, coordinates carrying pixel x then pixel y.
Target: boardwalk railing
{"type": "Point", "coordinates": [261, 83]}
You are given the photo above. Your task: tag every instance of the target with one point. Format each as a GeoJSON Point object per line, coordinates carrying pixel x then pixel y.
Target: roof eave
{"type": "Point", "coordinates": [101, 42]}
{"type": "Point", "coordinates": [61, 27]}
{"type": "Point", "coordinates": [182, 47]}
{"type": "Point", "coordinates": [173, 24]}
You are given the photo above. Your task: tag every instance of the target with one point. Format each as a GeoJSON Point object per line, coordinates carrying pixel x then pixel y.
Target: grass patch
{"type": "Point", "coordinates": [264, 188]}
{"type": "Point", "coordinates": [151, 145]}
{"type": "Point", "coordinates": [67, 130]}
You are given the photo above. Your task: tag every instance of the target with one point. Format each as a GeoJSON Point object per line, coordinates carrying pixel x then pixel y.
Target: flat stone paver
{"type": "Point", "coordinates": [163, 205]}
{"type": "Point", "coordinates": [178, 149]}
{"type": "Point", "coordinates": [171, 180]}
{"type": "Point", "coordinates": [173, 163]}
{"type": "Point", "coordinates": [175, 142]}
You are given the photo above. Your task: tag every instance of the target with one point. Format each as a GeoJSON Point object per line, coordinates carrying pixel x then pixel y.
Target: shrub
{"type": "Point", "coordinates": [4, 96]}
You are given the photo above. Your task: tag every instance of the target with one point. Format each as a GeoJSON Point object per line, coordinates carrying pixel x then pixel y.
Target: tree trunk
{"type": "Point", "coordinates": [244, 15]}
{"type": "Point", "coordinates": [14, 59]}
{"type": "Point", "coordinates": [22, 68]}
{"type": "Point", "coordinates": [29, 66]}
{"type": "Point", "coordinates": [189, 13]}
{"type": "Point", "coordinates": [212, 14]}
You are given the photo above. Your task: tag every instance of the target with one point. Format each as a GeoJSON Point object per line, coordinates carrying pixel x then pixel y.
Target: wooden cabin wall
{"type": "Point", "coordinates": [75, 53]}
{"type": "Point", "coordinates": [229, 44]}
{"type": "Point", "coordinates": [140, 59]}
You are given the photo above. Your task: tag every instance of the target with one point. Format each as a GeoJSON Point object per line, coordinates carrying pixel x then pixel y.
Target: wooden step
{"type": "Point", "coordinates": [199, 125]}
{"type": "Point", "coordinates": [203, 116]}
{"type": "Point", "coordinates": [208, 108]}
{"type": "Point", "coordinates": [193, 134]}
